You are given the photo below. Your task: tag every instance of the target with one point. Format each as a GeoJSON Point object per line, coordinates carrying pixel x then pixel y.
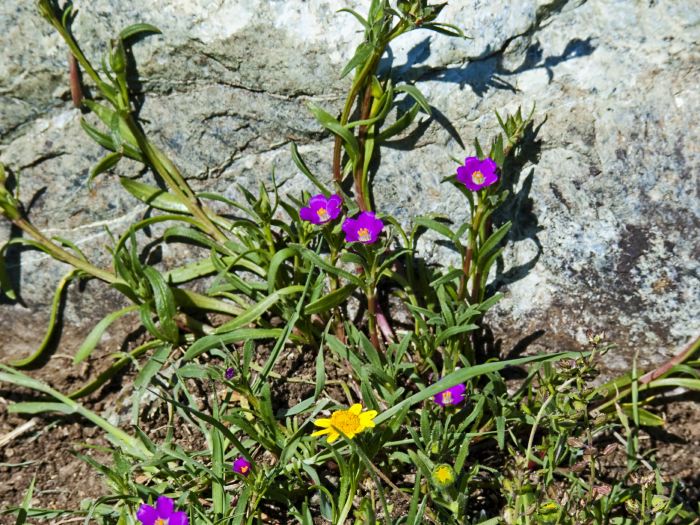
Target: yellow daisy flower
{"type": "Point", "coordinates": [350, 422]}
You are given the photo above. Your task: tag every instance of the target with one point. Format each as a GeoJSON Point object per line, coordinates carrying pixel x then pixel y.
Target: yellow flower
{"type": "Point", "coordinates": [443, 476]}
{"type": "Point", "coordinates": [350, 422]}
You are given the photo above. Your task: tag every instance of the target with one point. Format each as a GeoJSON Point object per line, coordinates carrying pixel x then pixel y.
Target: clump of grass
{"type": "Point", "coordinates": [407, 422]}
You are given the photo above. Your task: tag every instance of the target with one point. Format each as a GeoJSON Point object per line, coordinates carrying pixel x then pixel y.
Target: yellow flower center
{"type": "Point", "coordinates": [345, 421]}
{"type": "Point", "coordinates": [447, 397]}
{"type": "Point", "coordinates": [478, 177]}
{"type": "Point", "coordinates": [243, 469]}
{"type": "Point", "coordinates": [443, 474]}
{"type": "Point", "coordinates": [363, 234]}
{"type": "Point", "coordinates": [322, 214]}
{"type": "Point", "coordinates": [159, 522]}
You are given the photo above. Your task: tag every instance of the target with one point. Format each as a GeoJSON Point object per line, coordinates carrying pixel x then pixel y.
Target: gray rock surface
{"type": "Point", "coordinates": [607, 233]}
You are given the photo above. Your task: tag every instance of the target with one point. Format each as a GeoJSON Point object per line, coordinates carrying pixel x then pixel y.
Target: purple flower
{"type": "Point", "coordinates": [321, 209]}
{"type": "Point", "coordinates": [229, 373]}
{"type": "Point", "coordinates": [452, 396]}
{"type": "Point", "coordinates": [477, 174]}
{"type": "Point", "coordinates": [365, 229]}
{"type": "Point", "coordinates": [241, 466]}
{"type": "Point", "coordinates": [163, 513]}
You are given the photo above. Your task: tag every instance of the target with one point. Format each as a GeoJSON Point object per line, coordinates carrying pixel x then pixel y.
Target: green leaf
{"type": "Point", "coordinates": [416, 95]}
{"type": "Point", "coordinates": [331, 124]}
{"type": "Point", "coordinates": [314, 258]}
{"type": "Point", "coordinates": [96, 333]}
{"type": "Point", "coordinates": [137, 29]}
{"type": "Point", "coordinates": [400, 124]}
{"type": "Point", "coordinates": [330, 301]}
{"type": "Point", "coordinates": [463, 374]}
{"type": "Point", "coordinates": [219, 340]}
{"type": "Point", "coordinates": [164, 302]}
{"type": "Point", "coordinates": [258, 309]}
{"type": "Point", "coordinates": [38, 407]}
{"type": "Point", "coordinates": [53, 322]}
{"type": "Point", "coordinates": [354, 13]}
{"type": "Point", "coordinates": [26, 502]}
{"type": "Point", "coordinates": [296, 157]}
{"type": "Point", "coordinates": [154, 196]}
{"type": "Point", "coordinates": [436, 226]}
{"type": "Point", "coordinates": [362, 53]}
{"type": "Point", "coordinates": [454, 330]}
{"type": "Point", "coordinates": [105, 164]}
{"type": "Point", "coordinates": [275, 264]}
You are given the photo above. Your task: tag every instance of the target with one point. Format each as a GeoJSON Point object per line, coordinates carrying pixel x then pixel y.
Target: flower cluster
{"type": "Point", "coordinates": [366, 228]}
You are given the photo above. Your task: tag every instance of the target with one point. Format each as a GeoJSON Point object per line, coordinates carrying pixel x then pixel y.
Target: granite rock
{"type": "Point", "coordinates": [606, 207]}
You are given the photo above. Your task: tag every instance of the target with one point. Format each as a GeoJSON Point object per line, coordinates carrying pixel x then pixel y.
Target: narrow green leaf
{"type": "Point", "coordinates": [164, 302]}
{"type": "Point", "coordinates": [328, 122]}
{"type": "Point", "coordinates": [296, 157]}
{"type": "Point", "coordinates": [105, 164]}
{"type": "Point", "coordinates": [258, 309]}
{"type": "Point", "coordinates": [330, 301]}
{"type": "Point", "coordinates": [313, 257]}
{"type": "Point", "coordinates": [53, 323]}
{"type": "Point", "coordinates": [218, 340]}
{"type": "Point", "coordinates": [93, 338]}
{"type": "Point", "coordinates": [434, 225]}
{"type": "Point", "coordinates": [137, 29]}
{"type": "Point", "coordinates": [416, 95]}
{"type": "Point", "coordinates": [462, 375]}
{"type": "Point", "coordinates": [454, 330]}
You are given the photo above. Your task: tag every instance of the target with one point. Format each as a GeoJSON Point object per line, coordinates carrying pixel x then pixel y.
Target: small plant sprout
{"type": "Point", "coordinates": [348, 422]}
{"type": "Point", "coordinates": [162, 514]}
{"type": "Point", "coordinates": [365, 229]}
{"type": "Point", "coordinates": [321, 209]}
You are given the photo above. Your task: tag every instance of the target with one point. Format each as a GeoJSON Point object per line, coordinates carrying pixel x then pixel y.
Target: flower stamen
{"type": "Point", "coordinates": [322, 214]}
{"type": "Point", "coordinates": [478, 177]}
{"type": "Point", "coordinates": [447, 397]}
{"type": "Point", "coordinates": [363, 235]}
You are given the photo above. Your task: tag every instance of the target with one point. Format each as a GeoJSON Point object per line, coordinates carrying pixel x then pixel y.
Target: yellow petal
{"type": "Point", "coordinates": [332, 437]}
{"type": "Point", "coordinates": [323, 422]}
{"type": "Point", "coordinates": [322, 432]}
{"type": "Point", "coordinates": [356, 409]}
{"type": "Point", "coordinates": [370, 414]}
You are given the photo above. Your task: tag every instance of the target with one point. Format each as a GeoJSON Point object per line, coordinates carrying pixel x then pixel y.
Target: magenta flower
{"type": "Point", "coordinates": [452, 396]}
{"type": "Point", "coordinates": [477, 174]}
{"type": "Point", "coordinates": [321, 209]}
{"type": "Point", "coordinates": [241, 466]}
{"type": "Point", "coordinates": [163, 513]}
{"type": "Point", "coordinates": [365, 229]}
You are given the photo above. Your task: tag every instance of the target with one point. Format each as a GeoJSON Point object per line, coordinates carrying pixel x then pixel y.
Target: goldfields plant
{"type": "Point", "coordinates": [397, 423]}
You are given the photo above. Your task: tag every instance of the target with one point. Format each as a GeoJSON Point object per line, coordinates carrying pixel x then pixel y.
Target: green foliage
{"type": "Point", "coordinates": [525, 452]}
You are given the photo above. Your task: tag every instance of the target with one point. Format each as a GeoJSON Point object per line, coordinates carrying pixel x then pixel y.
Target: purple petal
{"type": "Point", "coordinates": [318, 201]}
{"type": "Point", "coordinates": [350, 229]}
{"type": "Point", "coordinates": [146, 514]}
{"type": "Point", "coordinates": [487, 166]}
{"type": "Point", "coordinates": [164, 507]}
{"type": "Point", "coordinates": [333, 207]}
{"type": "Point", "coordinates": [472, 163]}
{"type": "Point", "coordinates": [374, 226]}
{"type": "Point", "coordinates": [307, 214]}
{"type": "Point", "coordinates": [179, 518]}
